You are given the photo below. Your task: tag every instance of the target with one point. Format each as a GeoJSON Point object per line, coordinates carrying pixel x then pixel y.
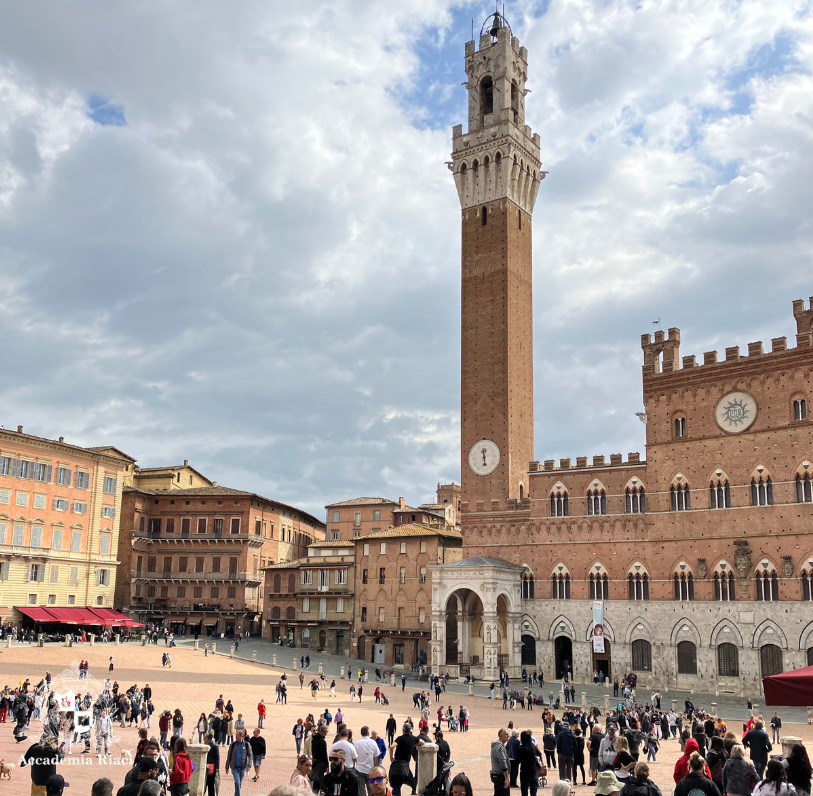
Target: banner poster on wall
{"type": "Point", "coordinates": [598, 626]}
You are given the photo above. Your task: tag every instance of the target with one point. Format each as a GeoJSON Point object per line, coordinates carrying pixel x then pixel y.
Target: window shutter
{"type": "Point", "coordinates": [48, 473]}
{"type": "Point", "coordinates": [68, 478]}
{"type": "Point", "coordinates": [13, 472]}
{"type": "Point", "coordinates": [41, 573]}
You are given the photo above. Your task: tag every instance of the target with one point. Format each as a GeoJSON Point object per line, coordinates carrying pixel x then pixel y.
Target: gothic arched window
{"type": "Point", "coordinates": [596, 502]}
{"type": "Point", "coordinates": [635, 500]}
{"type": "Point", "coordinates": [761, 491]}
{"type": "Point", "coordinates": [487, 95]}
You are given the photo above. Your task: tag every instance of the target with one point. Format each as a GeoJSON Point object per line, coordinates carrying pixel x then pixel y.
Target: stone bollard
{"type": "Point", "coordinates": [810, 715]}
{"type": "Point", "coordinates": [321, 669]}
{"type": "Point", "coordinates": [674, 705]}
{"type": "Point", "coordinates": [366, 676]}
{"type": "Point", "coordinates": [392, 676]}
{"type": "Point", "coordinates": [231, 651]}
{"type": "Point", "coordinates": [714, 709]}
{"type": "Point", "coordinates": [143, 641]}
{"type": "Point", "coordinates": [606, 703]}
{"type": "Point", "coordinates": [214, 647]}
{"type": "Point", "coordinates": [341, 672]}
{"type": "Point", "coordinates": [92, 639]}
{"type": "Point", "coordinates": [254, 656]}
{"type": "Point", "coordinates": [273, 660]}
{"type": "Point", "coordinates": [788, 742]}
{"type": "Point", "coordinates": [67, 641]}
{"type": "Point", "coordinates": [427, 764]}
{"type": "Point", "coordinates": [197, 645]}
{"type": "Point", "coordinates": [197, 782]}
{"type": "Point", "coordinates": [8, 642]}
{"type": "Point", "coordinates": [118, 639]}
{"type": "Point", "coordinates": [471, 688]}
{"type": "Point", "coordinates": [296, 664]}
{"type": "Point", "coordinates": [755, 709]}
{"type": "Point", "coordinates": [584, 700]}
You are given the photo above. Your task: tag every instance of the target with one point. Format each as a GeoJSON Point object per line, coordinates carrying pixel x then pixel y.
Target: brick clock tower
{"type": "Point", "coordinates": [497, 172]}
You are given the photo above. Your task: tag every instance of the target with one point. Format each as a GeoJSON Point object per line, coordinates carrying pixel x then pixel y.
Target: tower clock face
{"type": "Point", "coordinates": [484, 457]}
{"type": "Point", "coordinates": [736, 412]}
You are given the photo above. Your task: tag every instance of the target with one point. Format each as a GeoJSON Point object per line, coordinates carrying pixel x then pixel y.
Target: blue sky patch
{"type": "Point", "coordinates": [102, 111]}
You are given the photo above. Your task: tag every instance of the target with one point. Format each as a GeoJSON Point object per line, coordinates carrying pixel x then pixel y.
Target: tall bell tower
{"type": "Point", "coordinates": [497, 172]}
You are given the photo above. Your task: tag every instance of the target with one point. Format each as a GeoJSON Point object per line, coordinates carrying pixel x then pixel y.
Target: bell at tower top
{"type": "Point", "coordinates": [498, 156]}
{"type": "Point", "coordinates": [497, 72]}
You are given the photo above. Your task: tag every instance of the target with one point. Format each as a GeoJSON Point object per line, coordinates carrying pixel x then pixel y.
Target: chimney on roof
{"type": "Point", "coordinates": [19, 429]}
{"type": "Point", "coordinates": [214, 483]}
{"type": "Point", "coordinates": [401, 501]}
{"type": "Point", "coordinates": [186, 462]}
{"type": "Point", "coordinates": [62, 439]}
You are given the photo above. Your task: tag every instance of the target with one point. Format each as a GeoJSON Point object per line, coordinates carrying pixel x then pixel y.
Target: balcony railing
{"type": "Point", "coordinates": [231, 577]}
{"type": "Point", "coordinates": [163, 536]}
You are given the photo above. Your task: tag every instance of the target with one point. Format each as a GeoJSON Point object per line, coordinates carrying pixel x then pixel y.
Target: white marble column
{"type": "Point", "coordinates": [438, 642]}
{"type": "Point", "coordinates": [491, 649]}
{"type": "Point", "coordinates": [513, 628]}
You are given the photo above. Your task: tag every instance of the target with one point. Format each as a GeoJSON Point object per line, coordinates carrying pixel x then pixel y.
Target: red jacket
{"type": "Point", "coordinates": [182, 770]}
{"type": "Point", "coordinates": [261, 709]}
{"type": "Point", "coordinates": [682, 764]}
{"type": "Point", "coordinates": [163, 723]}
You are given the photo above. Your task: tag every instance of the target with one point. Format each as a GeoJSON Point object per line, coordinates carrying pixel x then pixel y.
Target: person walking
{"type": "Point", "coordinates": [759, 744]}
{"type": "Point", "coordinates": [367, 751]}
{"type": "Point", "coordinates": [776, 729]}
{"type": "Point", "coordinates": [402, 751]}
{"type": "Point", "coordinates": [775, 782]}
{"type": "Point", "coordinates": [257, 743]}
{"type": "Point", "coordinates": [181, 769]}
{"type": "Point", "coordinates": [739, 775]}
{"type": "Point", "coordinates": [391, 727]}
{"type": "Point", "coordinates": [339, 781]}
{"type": "Point", "coordinates": [566, 752]}
{"type": "Point", "coordinates": [104, 729]}
{"type": "Point", "coordinates": [212, 765]}
{"type": "Point", "coordinates": [300, 776]}
{"type": "Point", "coordinates": [530, 761]}
{"type": "Point", "coordinates": [110, 664]}
{"type": "Point", "coordinates": [299, 734]}
{"type": "Point", "coordinates": [500, 767]}
{"type": "Point", "coordinates": [261, 715]}
{"type": "Point", "coordinates": [239, 759]}
{"type": "Point", "coordinates": [203, 727]}
{"type": "Point", "coordinates": [695, 782]}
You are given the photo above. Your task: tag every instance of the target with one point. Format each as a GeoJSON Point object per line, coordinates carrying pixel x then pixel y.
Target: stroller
{"type": "Point", "coordinates": [453, 725]}
{"type": "Point", "coordinates": [440, 784]}
{"type": "Point", "coordinates": [384, 700]}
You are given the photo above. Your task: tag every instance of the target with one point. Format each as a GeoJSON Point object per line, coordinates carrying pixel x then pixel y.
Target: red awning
{"type": "Point", "coordinates": [39, 615]}
{"type": "Point", "coordinates": [789, 688]}
{"type": "Point", "coordinates": [111, 618]}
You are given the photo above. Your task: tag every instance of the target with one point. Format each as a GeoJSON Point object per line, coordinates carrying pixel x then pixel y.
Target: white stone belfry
{"type": "Point", "coordinates": [498, 158]}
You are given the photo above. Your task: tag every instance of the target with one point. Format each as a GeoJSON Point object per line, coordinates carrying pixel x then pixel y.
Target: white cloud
{"type": "Point", "coordinates": [260, 271]}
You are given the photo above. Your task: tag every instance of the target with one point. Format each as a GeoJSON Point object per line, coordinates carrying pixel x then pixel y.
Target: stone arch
{"type": "Point", "coordinates": [639, 628]}
{"type": "Point", "coordinates": [806, 637]}
{"type": "Point", "coordinates": [561, 626]}
{"type": "Point", "coordinates": [530, 627]}
{"type": "Point", "coordinates": [691, 633]}
{"type": "Point", "coordinates": [720, 636]}
{"type": "Point", "coordinates": [768, 632]}
{"type": "Point", "coordinates": [609, 633]}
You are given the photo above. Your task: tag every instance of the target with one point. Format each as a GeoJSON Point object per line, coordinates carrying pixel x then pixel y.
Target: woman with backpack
{"type": "Point", "coordinates": [716, 759]}
{"type": "Point", "coordinates": [181, 769]}
{"type": "Point", "coordinates": [639, 784]}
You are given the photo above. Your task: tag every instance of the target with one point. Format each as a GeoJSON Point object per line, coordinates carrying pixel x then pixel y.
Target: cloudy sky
{"type": "Point", "coordinates": [227, 232]}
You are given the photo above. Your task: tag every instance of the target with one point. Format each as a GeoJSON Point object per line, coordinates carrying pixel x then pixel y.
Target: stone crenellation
{"type": "Point", "coordinates": [668, 345]}
{"type": "Point", "coordinates": [616, 460]}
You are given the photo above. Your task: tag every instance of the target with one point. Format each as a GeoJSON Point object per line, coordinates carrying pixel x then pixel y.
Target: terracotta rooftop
{"type": "Point", "coordinates": [362, 501]}
{"type": "Point", "coordinates": [287, 564]}
{"type": "Point", "coordinates": [348, 543]}
{"type": "Point", "coordinates": [413, 529]}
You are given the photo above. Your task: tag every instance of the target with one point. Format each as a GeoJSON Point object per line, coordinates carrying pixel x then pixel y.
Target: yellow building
{"type": "Point", "coordinates": [60, 508]}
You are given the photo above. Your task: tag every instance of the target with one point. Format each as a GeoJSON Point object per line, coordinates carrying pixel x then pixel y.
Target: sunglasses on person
{"type": "Point", "coordinates": [336, 759]}
{"type": "Point", "coordinates": [375, 780]}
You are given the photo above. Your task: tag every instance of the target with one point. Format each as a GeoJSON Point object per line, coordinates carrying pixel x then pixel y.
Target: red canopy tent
{"type": "Point", "coordinates": [789, 688]}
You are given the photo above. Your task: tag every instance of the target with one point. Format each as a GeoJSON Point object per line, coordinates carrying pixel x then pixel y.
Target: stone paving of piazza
{"type": "Point", "coordinates": [194, 682]}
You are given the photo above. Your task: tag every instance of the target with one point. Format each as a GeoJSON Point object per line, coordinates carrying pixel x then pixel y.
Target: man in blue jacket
{"type": "Point", "coordinates": [566, 751]}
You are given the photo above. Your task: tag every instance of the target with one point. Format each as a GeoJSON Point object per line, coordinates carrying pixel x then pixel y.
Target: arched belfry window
{"type": "Point", "coordinates": [487, 95]}
{"type": "Point", "coordinates": [767, 582]}
{"type": "Point", "coordinates": [724, 583]}
{"type": "Point", "coordinates": [684, 583]}
{"type": "Point", "coordinates": [599, 583]}
{"type": "Point", "coordinates": [719, 491]}
{"type": "Point", "coordinates": [638, 582]}
{"type": "Point", "coordinates": [596, 500]}
{"type": "Point", "coordinates": [761, 488]}
{"type": "Point", "coordinates": [560, 583]}
{"type": "Point", "coordinates": [559, 502]}
{"type": "Point", "coordinates": [527, 584]}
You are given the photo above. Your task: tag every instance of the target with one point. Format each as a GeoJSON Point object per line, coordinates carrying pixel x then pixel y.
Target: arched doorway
{"type": "Point", "coordinates": [602, 661]}
{"type": "Point", "coordinates": [528, 651]}
{"type": "Point", "coordinates": [563, 650]}
{"type": "Point", "coordinates": [362, 647]}
{"type": "Point", "coordinates": [770, 658]}
{"type": "Point", "coordinates": [322, 640]}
